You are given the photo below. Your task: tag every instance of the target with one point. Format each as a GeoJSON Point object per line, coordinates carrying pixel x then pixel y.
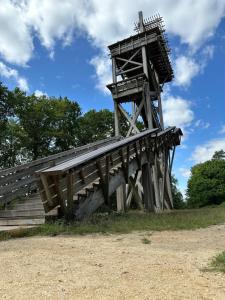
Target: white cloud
{"type": "Point", "coordinates": [103, 71]}
{"type": "Point", "coordinates": [185, 69]}
{"type": "Point", "coordinates": [16, 44]}
{"type": "Point", "coordinates": [205, 152]}
{"type": "Point", "coordinates": [108, 21]}
{"type": "Point", "coordinates": [188, 67]}
{"type": "Point", "coordinates": [201, 124]}
{"type": "Point", "coordinates": [222, 130]}
{"type": "Point", "coordinates": [22, 84]}
{"type": "Point", "coordinates": [52, 20]}
{"type": "Point", "coordinates": [8, 72]}
{"type": "Point", "coordinates": [39, 93]}
{"type": "Point", "coordinates": [103, 22]}
{"type": "Point", "coordinates": [177, 112]}
{"type": "Point", "coordinates": [185, 172]}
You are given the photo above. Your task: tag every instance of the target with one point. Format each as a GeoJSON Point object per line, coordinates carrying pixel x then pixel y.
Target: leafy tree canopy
{"type": "Point", "coordinates": [206, 185]}
{"type": "Point", "coordinates": [33, 127]}
{"type": "Point", "coordinates": [178, 201]}
{"type": "Point", "coordinates": [95, 125]}
{"type": "Point", "coordinates": [219, 154]}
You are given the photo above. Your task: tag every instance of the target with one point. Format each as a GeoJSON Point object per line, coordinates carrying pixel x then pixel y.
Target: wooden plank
{"type": "Point", "coordinates": [79, 161]}
{"type": "Point", "coordinates": [70, 193]}
{"type": "Point", "coordinates": [147, 183]}
{"type": "Point", "coordinates": [137, 198]}
{"type": "Point", "coordinates": [127, 61]}
{"type": "Point", "coordinates": [18, 184]}
{"type": "Point", "coordinates": [132, 123]}
{"type": "Point", "coordinates": [40, 161]}
{"type": "Point", "coordinates": [46, 188]}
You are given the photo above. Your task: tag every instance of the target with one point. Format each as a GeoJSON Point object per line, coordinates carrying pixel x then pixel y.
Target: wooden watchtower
{"type": "Point", "coordinates": [140, 68]}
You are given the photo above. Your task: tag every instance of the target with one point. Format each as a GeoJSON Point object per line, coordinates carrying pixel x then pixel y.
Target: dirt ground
{"type": "Point", "coordinates": [113, 266]}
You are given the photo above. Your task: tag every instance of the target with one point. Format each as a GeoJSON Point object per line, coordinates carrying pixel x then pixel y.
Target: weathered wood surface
{"type": "Point", "coordinates": [92, 156]}
{"type": "Point", "coordinates": [109, 166]}
{"type": "Point", "coordinates": [21, 180]}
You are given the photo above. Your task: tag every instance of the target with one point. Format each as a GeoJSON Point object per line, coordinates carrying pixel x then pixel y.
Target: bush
{"type": "Point", "coordinates": [206, 185]}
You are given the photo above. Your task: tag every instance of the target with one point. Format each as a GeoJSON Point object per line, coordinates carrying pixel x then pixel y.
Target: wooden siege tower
{"type": "Point", "coordinates": [140, 68]}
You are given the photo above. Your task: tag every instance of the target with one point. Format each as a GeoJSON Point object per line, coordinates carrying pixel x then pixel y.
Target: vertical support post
{"type": "Point", "coordinates": [156, 183]}
{"type": "Point", "coordinates": [164, 160]}
{"type": "Point", "coordinates": [147, 187]}
{"type": "Point", "coordinates": [114, 70]}
{"type": "Point", "coordinates": [70, 206]}
{"type": "Point", "coordinates": [120, 198]}
{"type": "Point", "coordinates": [116, 118]}
{"type": "Point", "coordinates": [121, 191]}
{"type": "Point", "coordinates": [160, 112]}
{"type": "Point", "coordinates": [148, 106]}
{"type": "Point", "coordinates": [140, 15]}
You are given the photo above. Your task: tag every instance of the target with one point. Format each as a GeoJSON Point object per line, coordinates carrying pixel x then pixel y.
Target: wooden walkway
{"type": "Point", "coordinates": [81, 185]}
{"type": "Point", "coordinates": [80, 180]}
{"type": "Point", "coordinates": [19, 197]}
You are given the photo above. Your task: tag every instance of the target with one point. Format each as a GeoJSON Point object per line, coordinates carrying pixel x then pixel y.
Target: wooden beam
{"type": "Point", "coordinates": [128, 70]}
{"type": "Point", "coordinates": [116, 119]}
{"type": "Point", "coordinates": [147, 184]}
{"type": "Point", "coordinates": [136, 195]}
{"type": "Point", "coordinates": [70, 193]}
{"type": "Point", "coordinates": [132, 123]}
{"type": "Point", "coordinates": [127, 61]}
{"type": "Point", "coordinates": [137, 113]}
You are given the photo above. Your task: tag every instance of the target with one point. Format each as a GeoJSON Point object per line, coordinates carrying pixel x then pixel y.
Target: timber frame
{"type": "Point", "coordinates": [81, 185]}
{"type": "Point", "coordinates": [140, 68]}
{"type": "Point", "coordinates": [137, 167]}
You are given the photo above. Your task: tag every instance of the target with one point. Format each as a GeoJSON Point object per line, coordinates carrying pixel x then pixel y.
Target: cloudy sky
{"type": "Point", "coordinates": [60, 48]}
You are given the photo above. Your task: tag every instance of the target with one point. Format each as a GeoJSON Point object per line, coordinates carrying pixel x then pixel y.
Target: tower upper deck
{"type": "Point", "coordinates": [150, 34]}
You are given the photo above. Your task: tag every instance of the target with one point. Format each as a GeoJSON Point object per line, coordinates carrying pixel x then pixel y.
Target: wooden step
{"type": "Point", "coordinates": [25, 206]}
{"type": "Point", "coordinates": [22, 213]}
{"type": "Point", "coordinates": [30, 211]}
{"type": "Point", "coordinates": [33, 200]}
{"type": "Point", "coordinates": [26, 221]}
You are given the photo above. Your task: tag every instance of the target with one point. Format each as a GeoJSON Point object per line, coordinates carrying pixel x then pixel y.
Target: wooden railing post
{"type": "Point", "coordinates": [70, 193]}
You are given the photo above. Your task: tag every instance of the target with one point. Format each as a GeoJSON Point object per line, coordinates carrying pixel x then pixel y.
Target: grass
{"type": "Point", "coordinates": [125, 223]}
{"type": "Point", "coordinates": [218, 263]}
{"type": "Point", "coordinates": [146, 241]}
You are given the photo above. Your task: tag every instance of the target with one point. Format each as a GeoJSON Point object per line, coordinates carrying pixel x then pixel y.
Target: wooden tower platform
{"type": "Point", "coordinates": [140, 68]}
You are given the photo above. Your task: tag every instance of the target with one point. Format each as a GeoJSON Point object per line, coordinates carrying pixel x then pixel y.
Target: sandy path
{"type": "Point", "coordinates": [113, 267]}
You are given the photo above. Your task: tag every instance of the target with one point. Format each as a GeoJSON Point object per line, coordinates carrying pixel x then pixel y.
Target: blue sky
{"type": "Point", "coordinates": [60, 48]}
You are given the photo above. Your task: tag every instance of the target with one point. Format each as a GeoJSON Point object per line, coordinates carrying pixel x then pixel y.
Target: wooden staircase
{"type": "Point", "coordinates": [29, 211]}
{"type": "Point", "coordinates": [19, 181]}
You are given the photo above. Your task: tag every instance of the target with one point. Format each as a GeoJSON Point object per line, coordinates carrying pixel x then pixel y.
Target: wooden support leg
{"type": "Point", "coordinates": [168, 188]}
{"type": "Point", "coordinates": [70, 204]}
{"type": "Point", "coordinates": [136, 195]}
{"type": "Point", "coordinates": [121, 198]}
{"type": "Point", "coordinates": [147, 187]}
{"type": "Point", "coordinates": [156, 185]}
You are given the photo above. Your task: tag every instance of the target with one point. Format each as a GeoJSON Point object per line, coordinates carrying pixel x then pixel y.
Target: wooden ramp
{"type": "Point", "coordinates": [81, 185]}
{"type": "Point", "coordinates": [19, 197]}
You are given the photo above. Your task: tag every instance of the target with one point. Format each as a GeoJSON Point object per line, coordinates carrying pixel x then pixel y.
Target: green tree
{"type": "Point", "coordinates": [49, 124]}
{"type": "Point", "coordinates": [206, 185]}
{"type": "Point", "coordinates": [219, 154]}
{"type": "Point", "coordinates": [8, 128]}
{"type": "Point", "coordinates": [6, 110]}
{"type": "Point", "coordinates": [95, 125]}
{"type": "Point", "coordinates": [13, 151]}
{"type": "Point", "coordinates": [178, 201]}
